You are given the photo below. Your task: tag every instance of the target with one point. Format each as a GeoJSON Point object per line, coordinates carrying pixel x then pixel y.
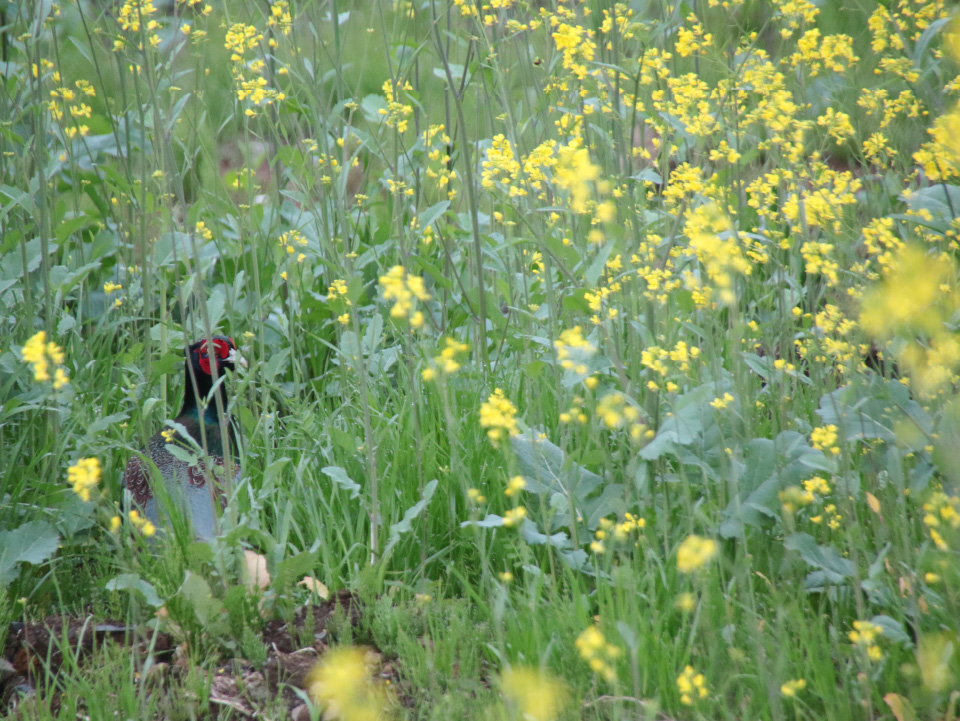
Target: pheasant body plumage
{"type": "Point", "coordinates": [187, 483]}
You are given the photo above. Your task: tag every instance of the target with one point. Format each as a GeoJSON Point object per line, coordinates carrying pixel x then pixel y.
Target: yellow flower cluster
{"type": "Point", "coordinates": [516, 484]}
{"type": "Point", "coordinates": [476, 496]}
{"type": "Point", "coordinates": [824, 438]}
{"type": "Point", "coordinates": [914, 305]}
{"type": "Point", "coordinates": [447, 362]}
{"type": "Point", "coordinates": [598, 654]}
{"type": "Point", "coordinates": [865, 635]}
{"type": "Point", "coordinates": [240, 39]}
{"type": "Point", "coordinates": [713, 240]}
{"type": "Point", "coordinates": [404, 289]}
{"type": "Point", "coordinates": [695, 552]}
{"type": "Point", "coordinates": [397, 114]}
{"type": "Point", "coordinates": [342, 684]}
{"type": "Point", "coordinates": [692, 686]}
{"type": "Point", "coordinates": [290, 240]}
{"type": "Point", "coordinates": [514, 516]}
{"type": "Point", "coordinates": [791, 688]}
{"type": "Point", "coordinates": [41, 355]}
{"type": "Point", "coordinates": [939, 512]}
{"type": "Point", "coordinates": [132, 12]}
{"type": "Point", "coordinates": [280, 17]}
{"type": "Point", "coordinates": [621, 531]}
{"type": "Point", "coordinates": [537, 695]}
{"type": "Point", "coordinates": [498, 415]}
{"type": "Point", "coordinates": [84, 476]}
{"type": "Point", "coordinates": [574, 172]}
{"type": "Point", "coordinates": [615, 411]}
{"type": "Point", "coordinates": [573, 346]}
{"type": "Point", "coordinates": [794, 497]}
{"type": "Point", "coordinates": [144, 525]}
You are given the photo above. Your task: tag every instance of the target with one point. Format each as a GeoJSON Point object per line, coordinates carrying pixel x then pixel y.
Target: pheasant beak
{"type": "Point", "coordinates": [237, 359]}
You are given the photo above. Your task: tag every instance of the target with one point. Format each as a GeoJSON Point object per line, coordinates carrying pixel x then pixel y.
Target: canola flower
{"type": "Point", "coordinates": [911, 309]}
{"type": "Point", "coordinates": [790, 689]}
{"type": "Point", "coordinates": [599, 655]}
{"type": "Point", "coordinates": [498, 415]}
{"type": "Point", "coordinates": [692, 686]}
{"type": "Point", "coordinates": [404, 289]}
{"type": "Point", "coordinates": [514, 516]}
{"type": "Point", "coordinates": [144, 525]}
{"type": "Point", "coordinates": [42, 355]}
{"type": "Point", "coordinates": [695, 552]}
{"type": "Point", "coordinates": [865, 636]}
{"type": "Point", "coordinates": [342, 684]}
{"type": "Point", "coordinates": [536, 694]}
{"type": "Point", "coordinates": [824, 438]}
{"type": "Point", "coordinates": [515, 486]}
{"type": "Point", "coordinates": [84, 476]}
{"type": "Point", "coordinates": [447, 362]}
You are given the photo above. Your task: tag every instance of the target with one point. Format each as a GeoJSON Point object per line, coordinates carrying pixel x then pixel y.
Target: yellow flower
{"type": "Point", "coordinates": [691, 685]}
{"type": "Point", "coordinates": [506, 576]}
{"type": "Point", "coordinates": [475, 496]}
{"type": "Point", "coordinates": [513, 517]}
{"type": "Point", "coordinates": [115, 524]}
{"type": "Point", "coordinates": [598, 654]}
{"type": "Point", "coordinates": [109, 287]}
{"type": "Point", "coordinates": [84, 476]}
{"type": "Point", "coordinates": [534, 693]}
{"type": "Point", "coordinates": [403, 289]}
{"type": "Point", "coordinates": [342, 685]}
{"type": "Point", "coordinates": [824, 438]}
{"type": "Point", "coordinates": [516, 485]}
{"type": "Point", "coordinates": [686, 602]}
{"type": "Point", "coordinates": [498, 414]}
{"type": "Point", "coordinates": [41, 355]}
{"type": "Point", "coordinates": [695, 552]}
{"type": "Point", "coordinates": [791, 688]}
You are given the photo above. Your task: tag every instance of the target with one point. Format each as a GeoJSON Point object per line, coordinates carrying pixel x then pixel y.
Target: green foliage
{"type": "Point", "coordinates": [596, 341]}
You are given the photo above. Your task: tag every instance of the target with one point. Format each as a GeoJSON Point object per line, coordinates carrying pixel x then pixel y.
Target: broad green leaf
{"type": "Point", "coordinates": [340, 477]}
{"type": "Point", "coordinates": [133, 582]}
{"type": "Point", "coordinates": [825, 558]}
{"type": "Point", "coordinates": [33, 542]}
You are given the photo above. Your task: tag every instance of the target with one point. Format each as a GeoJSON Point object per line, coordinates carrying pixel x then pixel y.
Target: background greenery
{"type": "Point", "coordinates": [715, 310]}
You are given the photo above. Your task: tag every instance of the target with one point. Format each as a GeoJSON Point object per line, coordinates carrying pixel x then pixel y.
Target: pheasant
{"type": "Point", "coordinates": [186, 484]}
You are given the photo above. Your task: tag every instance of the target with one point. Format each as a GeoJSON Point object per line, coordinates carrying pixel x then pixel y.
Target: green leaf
{"type": "Point", "coordinates": [690, 414]}
{"type": "Point", "coordinates": [340, 477]}
{"type": "Point", "coordinates": [769, 467]}
{"type": "Point", "coordinates": [133, 582]}
{"type": "Point", "coordinates": [405, 525]}
{"type": "Point", "coordinates": [892, 628]}
{"type": "Point", "coordinates": [33, 542]}
{"type": "Point", "coordinates": [825, 558]}
{"type": "Point", "coordinates": [207, 609]}
{"type": "Point", "coordinates": [491, 521]}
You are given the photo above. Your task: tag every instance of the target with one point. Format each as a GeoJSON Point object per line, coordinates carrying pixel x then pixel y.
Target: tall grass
{"type": "Point", "coordinates": [560, 316]}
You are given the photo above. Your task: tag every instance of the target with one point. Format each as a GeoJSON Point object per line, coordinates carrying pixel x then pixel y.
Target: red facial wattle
{"type": "Point", "coordinates": [222, 349]}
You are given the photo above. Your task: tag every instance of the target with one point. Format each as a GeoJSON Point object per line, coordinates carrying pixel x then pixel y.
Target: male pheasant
{"type": "Point", "coordinates": [185, 483]}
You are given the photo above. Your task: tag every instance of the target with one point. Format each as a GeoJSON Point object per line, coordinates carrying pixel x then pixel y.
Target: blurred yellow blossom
{"type": "Point", "coordinates": [791, 688]}
{"type": "Point", "coordinates": [537, 695]}
{"type": "Point", "coordinates": [342, 684]}
{"type": "Point", "coordinates": [691, 685]}
{"type": "Point", "coordinates": [41, 355]}
{"type": "Point", "coordinates": [598, 654]}
{"type": "Point", "coordinates": [695, 552]}
{"type": "Point", "coordinates": [84, 476]}
{"type": "Point", "coordinates": [498, 415]}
